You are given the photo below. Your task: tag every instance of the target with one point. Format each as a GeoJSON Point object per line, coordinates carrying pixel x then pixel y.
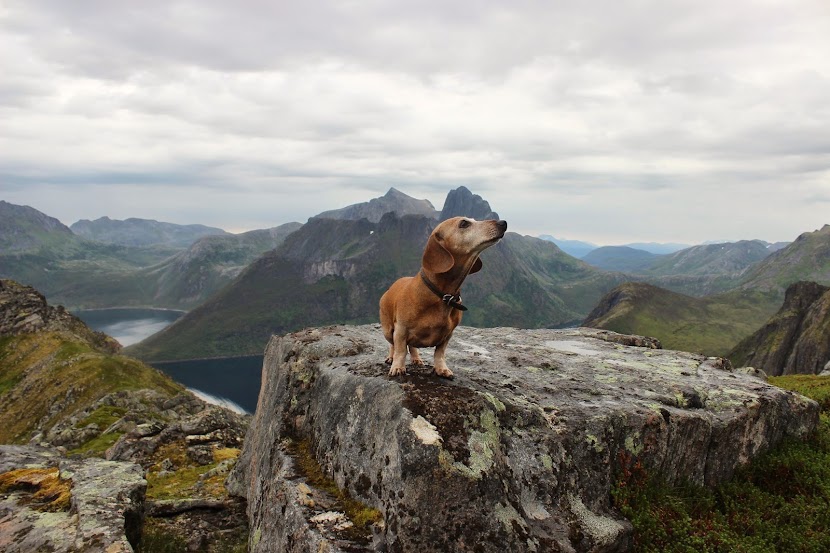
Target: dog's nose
{"type": "Point", "coordinates": [502, 225]}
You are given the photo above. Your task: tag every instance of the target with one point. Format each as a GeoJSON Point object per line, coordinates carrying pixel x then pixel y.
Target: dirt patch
{"type": "Point", "coordinates": [448, 407]}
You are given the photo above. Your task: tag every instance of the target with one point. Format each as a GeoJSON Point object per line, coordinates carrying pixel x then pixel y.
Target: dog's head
{"type": "Point", "coordinates": [457, 241]}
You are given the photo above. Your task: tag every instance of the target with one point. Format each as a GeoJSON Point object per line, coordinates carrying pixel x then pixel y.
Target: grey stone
{"type": "Point", "coordinates": [107, 506]}
{"type": "Point", "coordinates": [518, 453]}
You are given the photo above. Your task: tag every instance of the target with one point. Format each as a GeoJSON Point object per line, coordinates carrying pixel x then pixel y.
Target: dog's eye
{"type": "Point", "coordinates": [463, 223]}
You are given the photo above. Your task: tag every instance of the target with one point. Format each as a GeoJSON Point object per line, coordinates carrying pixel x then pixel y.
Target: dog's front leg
{"type": "Point", "coordinates": [439, 362]}
{"type": "Point", "coordinates": [398, 353]}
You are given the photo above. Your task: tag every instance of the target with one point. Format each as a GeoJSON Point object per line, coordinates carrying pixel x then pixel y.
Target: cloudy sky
{"type": "Point", "coordinates": [610, 121]}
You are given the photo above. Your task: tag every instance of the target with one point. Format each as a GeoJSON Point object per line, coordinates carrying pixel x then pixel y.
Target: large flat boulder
{"type": "Point", "coordinates": [518, 453]}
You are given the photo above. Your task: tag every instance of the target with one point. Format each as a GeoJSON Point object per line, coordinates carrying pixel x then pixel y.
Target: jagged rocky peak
{"type": "Point", "coordinates": [394, 201]}
{"type": "Point", "coordinates": [518, 453]}
{"type": "Point", "coordinates": [463, 203]}
{"type": "Point", "coordinates": [794, 340]}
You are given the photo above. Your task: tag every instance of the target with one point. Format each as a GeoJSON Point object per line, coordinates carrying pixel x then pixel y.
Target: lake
{"type": "Point", "coordinates": [128, 326]}
{"type": "Point", "coordinates": [232, 382]}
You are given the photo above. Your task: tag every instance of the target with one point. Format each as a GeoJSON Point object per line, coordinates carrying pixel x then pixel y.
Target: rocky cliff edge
{"type": "Point", "coordinates": [518, 453]}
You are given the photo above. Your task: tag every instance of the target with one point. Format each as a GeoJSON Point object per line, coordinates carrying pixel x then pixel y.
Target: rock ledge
{"type": "Point", "coordinates": [518, 453]}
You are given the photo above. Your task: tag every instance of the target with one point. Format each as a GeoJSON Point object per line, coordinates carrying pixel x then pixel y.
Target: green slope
{"type": "Point", "coordinates": [711, 325]}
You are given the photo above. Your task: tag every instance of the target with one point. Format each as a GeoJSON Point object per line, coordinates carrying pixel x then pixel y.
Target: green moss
{"type": "Point", "coordinates": [103, 416]}
{"type": "Point", "coordinates": [158, 538]}
{"type": "Point", "coordinates": [97, 445]}
{"type": "Point", "coordinates": [359, 513]}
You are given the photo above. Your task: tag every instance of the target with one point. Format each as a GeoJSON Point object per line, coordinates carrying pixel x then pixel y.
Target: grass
{"type": "Point", "coordinates": [712, 325]}
{"type": "Point", "coordinates": [62, 369]}
{"type": "Point", "coordinates": [187, 480]}
{"type": "Point", "coordinates": [778, 503]}
{"type": "Point", "coordinates": [49, 492]}
{"type": "Point", "coordinates": [97, 445]}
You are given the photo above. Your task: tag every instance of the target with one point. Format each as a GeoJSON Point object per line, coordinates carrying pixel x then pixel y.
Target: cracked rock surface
{"type": "Point", "coordinates": [518, 453]}
{"type": "Point", "coordinates": [106, 508]}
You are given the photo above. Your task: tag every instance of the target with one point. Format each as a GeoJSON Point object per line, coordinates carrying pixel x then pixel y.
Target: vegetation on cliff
{"type": "Point", "coordinates": [710, 325]}
{"type": "Point", "coordinates": [779, 502]}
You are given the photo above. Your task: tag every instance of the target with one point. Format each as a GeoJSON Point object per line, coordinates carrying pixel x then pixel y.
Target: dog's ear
{"type": "Point", "coordinates": [436, 257]}
{"type": "Point", "coordinates": [476, 266]}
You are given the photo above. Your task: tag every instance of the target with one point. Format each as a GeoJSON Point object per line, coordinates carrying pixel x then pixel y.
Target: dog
{"type": "Point", "coordinates": [423, 311]}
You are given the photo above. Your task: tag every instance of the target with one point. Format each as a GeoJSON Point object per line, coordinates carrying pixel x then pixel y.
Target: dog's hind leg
{"type": "Point", "coordinates": [415, 357]}
{"type": "Point", "coordinates": [391, 356]}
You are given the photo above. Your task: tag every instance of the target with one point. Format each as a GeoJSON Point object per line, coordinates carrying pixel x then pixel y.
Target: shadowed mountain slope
{"type": "Point", "coordinates": [334, 271]}
{"type": "Point", "coordinates": [794, 341]}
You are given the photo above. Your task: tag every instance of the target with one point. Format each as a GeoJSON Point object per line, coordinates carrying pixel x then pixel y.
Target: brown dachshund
{"type": "Point", "coordinates": [423, 311]}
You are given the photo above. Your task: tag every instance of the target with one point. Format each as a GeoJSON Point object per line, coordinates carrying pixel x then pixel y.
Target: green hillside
{"type": "Point", "coordinates": [710, 325]}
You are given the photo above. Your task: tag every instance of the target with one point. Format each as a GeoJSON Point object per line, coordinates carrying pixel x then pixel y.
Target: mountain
{"type": "Point", "coordinates": [461, 202]}
{"type": "Point", "coordinates": [576, 248]}
{"type": "Point", "coordinates": [81, 273]}
{"type": "Point", "coordinates": [620, 258]}
{"type": "Point", "coordinates": [393, 201]}
{"type": "Point", "coordinates": [658, 248]}
{"type": "Point", "coordinates": [794, 341]}
{"type": "Point", "coordinates": [116, 450]}
{"type": "Point", "coordinates": [807, 258]}
{"type": "Point", "coordinates": [730, 259]}
{"type": "Point", "coordinates": [53, 364]}
{"type": "Point", "coordinates": [23, 228]}
{"type": "Point", "coordinates": [141, 232]}
{"type": "Point", "coordinates": [334, 271]}
{"type": "Point", "coordinates": [40, 251]}
{"type": "Point", "coordinates": [710, 325]}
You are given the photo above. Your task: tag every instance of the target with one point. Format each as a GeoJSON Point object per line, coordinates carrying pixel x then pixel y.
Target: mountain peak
{"type": "Point", "coordinates": [393, 201]}
{"type": "Point", "coordinates": [463, 203]}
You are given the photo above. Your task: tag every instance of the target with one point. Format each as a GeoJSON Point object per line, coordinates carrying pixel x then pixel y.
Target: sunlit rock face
{"type": "Point", "coordinates": [518, 453]}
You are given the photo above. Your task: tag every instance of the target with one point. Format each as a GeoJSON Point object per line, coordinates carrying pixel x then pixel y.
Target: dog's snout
{"type": "Point", "coordinates": [502, 224]}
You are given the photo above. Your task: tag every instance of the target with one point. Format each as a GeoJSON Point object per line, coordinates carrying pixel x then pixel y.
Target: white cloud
{"type": "Point", "coordinates": [661, 120]}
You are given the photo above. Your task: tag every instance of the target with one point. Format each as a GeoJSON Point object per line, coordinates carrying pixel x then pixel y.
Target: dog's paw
{"type": "Point", "coordinates": [418, 362]}
{"type": "Point", "coordinates": [444, 373]}
{"type": "Point", "coordinates": [388, 360]}
{"type": "Point", "coordinates": [397, 371]}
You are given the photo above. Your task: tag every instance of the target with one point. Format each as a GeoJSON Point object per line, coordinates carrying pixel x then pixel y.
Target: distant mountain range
{"type": "Point", "coordinates": [141, 232]}
{"type": "Point", "coordinates": [334, 271]}
{"type": "Point", "coordinates": [580, 249]}
{"type": "Point", "coordinates": [77, 272]}
{"type": "Point", "coordinates": [716, 323]}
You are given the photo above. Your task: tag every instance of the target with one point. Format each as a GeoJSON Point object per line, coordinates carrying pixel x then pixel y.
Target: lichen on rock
{"type": "Point", "coordinates": [518, 453]}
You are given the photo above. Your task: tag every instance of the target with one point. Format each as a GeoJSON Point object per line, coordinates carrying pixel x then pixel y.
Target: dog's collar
{"type": "Point", "coordinates": [450, 299]}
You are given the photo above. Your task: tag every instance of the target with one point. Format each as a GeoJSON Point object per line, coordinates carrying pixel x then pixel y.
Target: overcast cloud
{"type": "Point", "coordinates": [608, 121]}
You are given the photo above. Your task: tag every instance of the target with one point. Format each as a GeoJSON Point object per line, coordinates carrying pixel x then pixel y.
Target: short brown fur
{"type": "Point", "coordinates": [413, 316]}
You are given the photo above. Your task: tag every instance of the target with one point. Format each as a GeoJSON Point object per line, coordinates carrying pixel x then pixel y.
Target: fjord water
{"type": "Point", "coordinates": [129, 326]}
{"type": "Point", "coordinates": [232, 381]}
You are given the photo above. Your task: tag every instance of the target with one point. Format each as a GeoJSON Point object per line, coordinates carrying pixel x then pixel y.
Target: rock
{"type": "Point", "coordinates": [752, 371]}
{"type": "Point", "coordinates": [463, 203]}
{"type": "Point", "coordinates": [107, 506]}
{"type": "Point", "coordinates": [796, 340]}
{"type": "Point", "coordinates": [826, 370]}
{"type": "Point", "coordinates": [23, 310]}
{"type": "Point", "coordinates": [518, 453]}
{"type": "Point", "coordinates": [200, 454]}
